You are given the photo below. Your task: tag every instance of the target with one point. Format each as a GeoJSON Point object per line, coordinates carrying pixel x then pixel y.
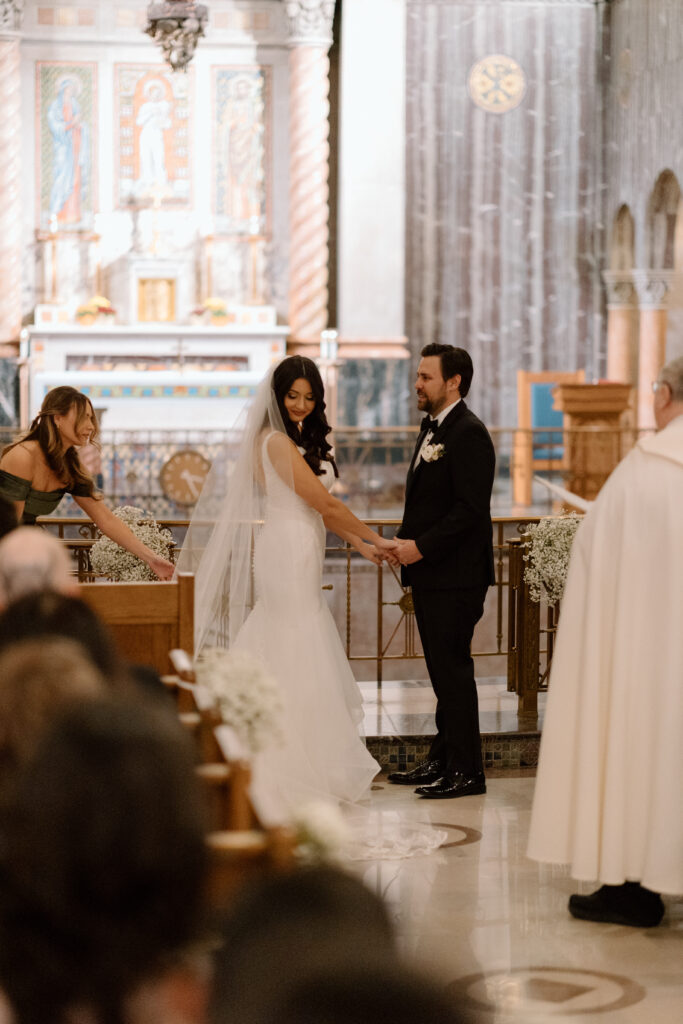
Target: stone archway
{"type": "Point", "coordinates": [662, 217]}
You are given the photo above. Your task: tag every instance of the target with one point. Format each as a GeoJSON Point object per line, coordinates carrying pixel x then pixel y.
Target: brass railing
{"type": "Point", "coordinates": [376, 617]}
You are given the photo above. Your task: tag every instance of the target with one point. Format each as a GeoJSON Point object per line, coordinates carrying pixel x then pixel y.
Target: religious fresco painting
{"type": "Point", "coordinates": [152, 123]}
{"type": "Point", "coordinates": [66, 105]}
{"type": "Point", "coordinates": [241, 149]}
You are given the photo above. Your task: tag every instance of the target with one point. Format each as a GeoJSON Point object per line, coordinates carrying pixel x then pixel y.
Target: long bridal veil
{"type": "Point", "coordinates": [219, 544]}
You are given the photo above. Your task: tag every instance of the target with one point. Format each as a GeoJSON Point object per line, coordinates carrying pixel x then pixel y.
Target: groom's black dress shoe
{"type": "Point", "coordinates": [428, 771]}
{"type": "Point", "coordinates": [629, 904]}
{"type": "Point", "coordinates": [454, 785]}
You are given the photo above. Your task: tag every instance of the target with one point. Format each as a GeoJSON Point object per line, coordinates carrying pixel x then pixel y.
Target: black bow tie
{"type": "Point", "coordinates": [429, 424]}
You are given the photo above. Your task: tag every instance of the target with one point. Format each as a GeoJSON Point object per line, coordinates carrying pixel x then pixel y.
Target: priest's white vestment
{"type": "Point", "coordinates": [609, 790]}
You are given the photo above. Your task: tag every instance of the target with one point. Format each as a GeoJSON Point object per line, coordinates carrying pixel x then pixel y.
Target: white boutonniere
{"type": "Point", "coordinates": [432, 452]}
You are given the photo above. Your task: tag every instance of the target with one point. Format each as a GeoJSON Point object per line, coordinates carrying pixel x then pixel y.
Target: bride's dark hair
{"type": "Point", "coordinates": [315, 427]}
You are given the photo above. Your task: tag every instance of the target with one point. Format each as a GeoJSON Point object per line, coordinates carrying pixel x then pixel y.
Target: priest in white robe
{"type": "Point", "coordinates": [609, 791]}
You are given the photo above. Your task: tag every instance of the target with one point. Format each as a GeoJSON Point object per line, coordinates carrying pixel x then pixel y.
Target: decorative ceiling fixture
{"type": "Point", "coordinates": [177, 26]}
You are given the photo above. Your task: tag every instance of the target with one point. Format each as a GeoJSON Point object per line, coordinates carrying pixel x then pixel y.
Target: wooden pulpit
{"type": "Point", "coordinates": [594, 437]}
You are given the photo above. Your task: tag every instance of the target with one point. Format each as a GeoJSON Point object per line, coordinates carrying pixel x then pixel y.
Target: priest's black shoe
{"type": "Point", "coordinates": [428, 771]}
{"type": "Point", "coordinates": [449, 786]}
{"type": "Point", "coordinates": [629, 904]}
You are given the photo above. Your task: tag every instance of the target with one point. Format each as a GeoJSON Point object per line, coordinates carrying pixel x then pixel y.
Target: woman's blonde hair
{"type": "Point", "coordinates": [64, 464]}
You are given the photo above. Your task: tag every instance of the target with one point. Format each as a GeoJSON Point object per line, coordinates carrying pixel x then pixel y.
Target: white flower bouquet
{"type": "Point", "coordinates": [321, 831]}
{"type": "Point", "coordinates": [245, 694]}
{"type": "Point", "coordinates": [547, 556]}
{"type": "Point", "coordinates": [113, 561]}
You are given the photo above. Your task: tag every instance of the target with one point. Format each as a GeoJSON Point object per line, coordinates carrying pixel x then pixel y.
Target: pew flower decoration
{"type": "Point", "coordinates": [109, 559]}
{"type": "Point", "coordinates": [321, 832]}
{"type": "Point", "coordinates": [547, 556]}
{"type": "Point", "coordinates": [245, 694]}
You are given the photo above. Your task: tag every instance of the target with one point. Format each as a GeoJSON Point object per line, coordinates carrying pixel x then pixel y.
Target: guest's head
{"type": "Point", "coordinates": [284, 929]}
{"type": "Point", "coordinates": [102, 864]}
{"type": "Point", "coordinates": [668, 398]}
{"type": "Point", "coordinates": [8, 517]}
{"type": "Point", "coordinates": [48, 614]}
{"type": "Point", "coordinates": [443, 376]}
{"type": "Point", "coordinates": [32, 560]}
{"type": "Point", "coordinates": [300, 397]}
{"type": "Point", "coordinates": [37, 680]}
{"type": "Point", "coordinates": [373, 994]}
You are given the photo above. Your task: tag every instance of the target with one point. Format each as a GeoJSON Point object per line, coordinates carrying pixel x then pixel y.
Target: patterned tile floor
{"type": "Point", "coordinates": [494, 926]}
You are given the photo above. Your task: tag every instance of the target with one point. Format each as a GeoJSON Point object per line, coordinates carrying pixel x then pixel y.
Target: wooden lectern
{"type": "Point", "coordinates": [594, 440]}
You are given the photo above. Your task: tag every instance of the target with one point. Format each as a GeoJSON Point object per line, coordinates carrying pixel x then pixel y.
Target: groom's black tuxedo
{"type": "Point", "coordinates": [448, 515]}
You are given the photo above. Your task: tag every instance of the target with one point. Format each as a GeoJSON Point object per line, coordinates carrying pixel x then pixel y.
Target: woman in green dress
{"type": "Point", "coordinates": [42, 466]}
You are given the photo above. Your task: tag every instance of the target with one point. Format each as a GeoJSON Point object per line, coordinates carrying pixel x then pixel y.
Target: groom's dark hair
{"type": "Point", "coordinates": [453, 360]}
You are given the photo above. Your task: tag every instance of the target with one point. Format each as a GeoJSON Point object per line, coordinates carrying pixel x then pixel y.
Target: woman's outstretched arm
{"type": "Point", "coordinates": [293, 469]}
{"type": "Point", "coordinates": [117, 531]}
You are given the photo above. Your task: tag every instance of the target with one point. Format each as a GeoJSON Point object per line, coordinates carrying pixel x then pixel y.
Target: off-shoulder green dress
{"type": "Point", "coordinates": [36, 503]}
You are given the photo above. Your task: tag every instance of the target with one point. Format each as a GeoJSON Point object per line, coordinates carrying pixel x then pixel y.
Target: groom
{"type": "Point", "coordinates": [445, 547]}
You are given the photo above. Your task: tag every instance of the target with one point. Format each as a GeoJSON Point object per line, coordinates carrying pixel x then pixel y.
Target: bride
{"type": "Point", "coordinates": [280, 479]}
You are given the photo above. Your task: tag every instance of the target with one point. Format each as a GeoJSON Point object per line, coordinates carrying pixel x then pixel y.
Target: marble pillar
{"type": "Point", "coordinates": [310, 37]}
{"type": "Point", "coordinates": [653, 287]}
{"type": "Point", "coordinates": [10, 172]}
{"type": "Point", "coordinates": [11, 12]}
{"type": "Point", "coordinates": [622, 303]}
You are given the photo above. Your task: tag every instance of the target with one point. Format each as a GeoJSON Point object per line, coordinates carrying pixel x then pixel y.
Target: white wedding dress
{"type": "Point", "coordinates": [321, 753]}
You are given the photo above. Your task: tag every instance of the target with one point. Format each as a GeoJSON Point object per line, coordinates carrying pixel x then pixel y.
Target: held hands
{"type": "Point", "coordinates": [407, 552]}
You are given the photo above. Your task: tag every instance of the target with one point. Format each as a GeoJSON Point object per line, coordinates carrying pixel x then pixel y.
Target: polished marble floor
{"type": "Point", "coordinates": [406, 708]}
{"type": "Point", "coordinates": [494, 926]}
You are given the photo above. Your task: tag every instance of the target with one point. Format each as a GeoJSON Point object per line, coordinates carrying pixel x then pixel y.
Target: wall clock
{"type": "Point", "coordinates": [497, 83]}
{"type": "Point", "coordinates": [182, 476]}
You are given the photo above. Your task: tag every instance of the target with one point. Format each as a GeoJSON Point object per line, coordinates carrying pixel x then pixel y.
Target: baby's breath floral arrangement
{"type": "Point", "coordinates": [246, 695]}
{"type": "Point", "coordinates": [547, 556]}
{"type": "Point", "coordinates": [321, 832]}
{"type": "Point", "coordinates": [113, 561]}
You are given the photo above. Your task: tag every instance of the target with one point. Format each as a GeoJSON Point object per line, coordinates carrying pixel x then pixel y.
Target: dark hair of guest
{"type": "Point", "coordinates": [102, 867]}
{"type": "Point", "coordinates": [315, 427]}
{"type": "Point", "coordinates": [453, 361]}
{"type": "Point", "coordinates": [64, 464]}
{"type": "Point", "coordinates": [47, 613]}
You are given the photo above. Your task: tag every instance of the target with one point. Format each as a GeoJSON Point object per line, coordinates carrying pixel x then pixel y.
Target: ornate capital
{"type": "Point", "coordinates": [621, 291]}
{"type": "Point", "coordinates": [309, 22]}
{"type": "Point", "coordinates": [11, 15]}
{"type": "Point", "coordinates": [653, 287]}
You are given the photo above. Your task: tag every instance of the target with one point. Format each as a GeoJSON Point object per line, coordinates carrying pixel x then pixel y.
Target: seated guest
{"type": "Point", "coordinates": [32, 560]}
{"type": "Point", "coordinates": [285, 929]}
{"type": "Point", "coordinates": [8, 517]}
{"type": "Point", "coordinates": [39, 615]}
{"type": "Point", "coordinates": [374, 994]}
{"type": "Point", "coordinates": [101, 866]}
{"type": "Point", "coordinates": [36, 681]}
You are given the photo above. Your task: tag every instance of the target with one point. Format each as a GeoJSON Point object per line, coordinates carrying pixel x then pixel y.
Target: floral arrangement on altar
{"type": "Point", "coordinates": [246, 696]}
{"type": "Point", "coordinates": [213, 310]}
{"type": "Point", "coordinates": [113, 561]}
{"type": "Point", "coordinates": [98, 306]}
{"type": "Point", "coordinates": [547, 556]}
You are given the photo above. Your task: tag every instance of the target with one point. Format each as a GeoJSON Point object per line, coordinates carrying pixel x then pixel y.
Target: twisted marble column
{"type": "Point", "coordinates": [310, 29]}
{"type": "Point", "coordinates": [10, 191]}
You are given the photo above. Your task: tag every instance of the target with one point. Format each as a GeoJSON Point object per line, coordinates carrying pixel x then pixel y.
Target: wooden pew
{"type": "Point", "coordinates": [146, 619]}
{"type": "Point", "coordinates": [239, 847]}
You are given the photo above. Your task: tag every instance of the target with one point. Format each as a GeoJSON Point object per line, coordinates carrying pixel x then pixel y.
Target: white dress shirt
{"type": "Point", "coordinates": [429, 435]}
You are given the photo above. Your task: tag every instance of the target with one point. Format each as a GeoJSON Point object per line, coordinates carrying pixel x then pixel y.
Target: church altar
{"type": "Point", "coordinates": [150, 376]}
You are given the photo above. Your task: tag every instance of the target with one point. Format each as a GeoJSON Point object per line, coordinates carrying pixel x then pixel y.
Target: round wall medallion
{"type": "Point", "coordinates": [497, 83]}
{"type": "Point", "coordinates": [183, 475]}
